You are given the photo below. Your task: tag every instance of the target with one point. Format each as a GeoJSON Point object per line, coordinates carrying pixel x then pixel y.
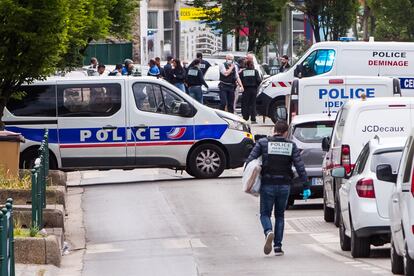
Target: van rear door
{"type": "Point", "coordinates": [92, 123]}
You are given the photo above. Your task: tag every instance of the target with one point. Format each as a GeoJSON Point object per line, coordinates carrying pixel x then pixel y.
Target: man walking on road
{"type": "Point", "coordinates": [278, 155]}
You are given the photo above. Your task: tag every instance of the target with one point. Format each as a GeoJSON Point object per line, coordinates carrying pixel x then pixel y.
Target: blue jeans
{"type": "Point", "coordinates": [196, 92]}
{"type": "Point", "coordinates": [277, 196]}
{"type": "Point", "coordinates": [180, 86]}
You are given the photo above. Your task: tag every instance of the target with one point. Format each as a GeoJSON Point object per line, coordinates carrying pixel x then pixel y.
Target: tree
{"type": "Point", "coordinates": [33, 35]}
{"type": "Point", "coordinates": [393, 19]}
{"type": "Point", "coordinates": [260, 17]}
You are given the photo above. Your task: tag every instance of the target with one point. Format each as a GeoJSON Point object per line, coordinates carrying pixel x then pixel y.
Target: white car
{"type": "Point", "coordinates": [401, 208]}
{"type": "Point", "coordinates": [364, 196]}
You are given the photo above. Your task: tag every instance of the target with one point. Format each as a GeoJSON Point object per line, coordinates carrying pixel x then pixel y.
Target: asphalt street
{"type": "Point", "coordinates": [206, 227]}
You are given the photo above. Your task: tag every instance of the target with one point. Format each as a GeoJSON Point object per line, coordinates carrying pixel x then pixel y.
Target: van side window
{"type": "Point", "coordinates": [318, 62]}
{"type": "Point", "coordinates": [89, 100]}
{"type": "Point", "coordinates": [34, 100]}
{"type": "Point", "coordinates": [361, 160]}
{"type": "Point", "coordinates": [156, 98]}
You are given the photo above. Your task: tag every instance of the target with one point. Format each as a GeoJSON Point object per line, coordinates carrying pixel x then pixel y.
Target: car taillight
{"type": "Point", "coordinates": [365, 188]}
{"type": "Point", "coordinates": [346, 158]}
{"type": "Point", "coordinates": [412, 183]}
{"type": "Point", "coordinates": [412, 228]}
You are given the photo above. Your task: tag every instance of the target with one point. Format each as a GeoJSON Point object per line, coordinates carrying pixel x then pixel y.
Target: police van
{"type": "Point", "coordinates": [328, 94]}
{"type": "Point", "coordinates": [357, 122]}
{"type": "Point", "coordinates": [126, 122]}
{"type": "Point", "coordinates": [393, 59]}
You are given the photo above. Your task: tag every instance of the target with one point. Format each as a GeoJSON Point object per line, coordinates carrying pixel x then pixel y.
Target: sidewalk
{"type": "Point", "coordinates": [36, 270]}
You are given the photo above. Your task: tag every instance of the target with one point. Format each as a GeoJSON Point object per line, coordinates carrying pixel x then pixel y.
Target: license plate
{"type": "Point", "coordinates": [316, 181]}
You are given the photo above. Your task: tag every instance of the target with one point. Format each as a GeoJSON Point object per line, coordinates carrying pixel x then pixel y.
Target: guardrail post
{"type": "Point", "coordinates": [3, 246]}
{"type": "Point", "coordinates": [10, 236]}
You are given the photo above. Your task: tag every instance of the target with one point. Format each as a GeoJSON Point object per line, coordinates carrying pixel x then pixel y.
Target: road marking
{"type": "Point", "coordinates": [325, 238]}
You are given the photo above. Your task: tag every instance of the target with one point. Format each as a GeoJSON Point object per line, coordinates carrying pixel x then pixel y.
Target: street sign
{"type": "Point", "coordinates": [194, 14]}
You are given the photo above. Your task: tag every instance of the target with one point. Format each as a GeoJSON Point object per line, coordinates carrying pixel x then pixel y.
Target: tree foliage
{"type": "Point", "coordinates": [333, 17]}
{"type": "Point", "coordinates": [39, 36]}
{"type": "Point", "coordinates": [393, 19]}
{"type": "Point", "coordinates": [235, 16]}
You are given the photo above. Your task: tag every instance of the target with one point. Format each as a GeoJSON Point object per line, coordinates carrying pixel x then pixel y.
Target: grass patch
{"type": "Point", "coordinates": [8, 181]}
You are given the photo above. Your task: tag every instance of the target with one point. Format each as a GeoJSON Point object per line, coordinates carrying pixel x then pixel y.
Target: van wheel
{"type": "Point", "coordinates": [397, 262]}
{"type": "Point", "coordinates": [328, 213]}
{"type": "Point", "coordinates": [274, 112]}
{"type": "Point", "coordinates": [360, 247]}
{"type": "Point", "coordinates": [187, 169]}
{"type": "Point", "coordinates": [409, 263]}
{"type": "Point", "coordinates": [207, 161]}
{"type": "Point", "coordinates": [28, 157]}
{"type": "Point", "coordinates": [344, 240]}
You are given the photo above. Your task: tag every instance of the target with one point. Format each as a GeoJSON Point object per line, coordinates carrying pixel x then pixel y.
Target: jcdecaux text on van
{"type": "Point", "coordinates": [335, 97]}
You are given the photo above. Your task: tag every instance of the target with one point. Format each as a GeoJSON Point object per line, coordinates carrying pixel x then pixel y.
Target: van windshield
{"type": "Point", "coordinates": [313, 132]}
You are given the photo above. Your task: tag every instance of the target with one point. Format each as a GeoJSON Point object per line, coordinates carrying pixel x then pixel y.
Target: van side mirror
{"type": "Point", "coordinates": [185, 109]}
{"type": "Point", "coordinates": [298, 71]}
{"type": "Point", "coordinates": [384, 173]}
{"type": "Point", "coordinates": [326, 143]}
{"type": "Point", "coordinates": [338, 172]}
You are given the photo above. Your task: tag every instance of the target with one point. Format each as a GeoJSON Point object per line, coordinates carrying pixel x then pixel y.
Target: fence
{"type": "Point", "coordinates": [7, 240]}
{"type": "Point", "coordinates": [40, 172]}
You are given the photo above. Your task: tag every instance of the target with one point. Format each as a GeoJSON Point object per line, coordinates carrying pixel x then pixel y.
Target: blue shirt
{"type": "Point", "coordinates": [154, 71]}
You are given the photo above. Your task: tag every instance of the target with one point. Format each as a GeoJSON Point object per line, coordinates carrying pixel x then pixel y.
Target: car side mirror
{"type": "Point", "coordinates": [338, 172]}
{"type": "Point", "coordinates": [326, 143]}
{"type": "Point", "coordinates": [185, 109]}
{"type": "Point", "coordinates": [298, 71]}
{"type": "Point", "coordinates": [281, 112]}
{"type": "Point", "coordinates": [384, 173]}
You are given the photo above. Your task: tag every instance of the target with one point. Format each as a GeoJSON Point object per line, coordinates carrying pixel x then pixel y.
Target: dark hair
{"type": "Point", "coordinates": [118, 66]}
{"type": "Point", "coordinates": [196, 62]}
{"type": "Point", "coordinates": [169, 58]}
{"type": "Point", "coordinates": [199, 55]}
{"type": "Point", "coordinates": [178, 62]}
{"type": "Point", "coordinates": [281, 127]}
{"type": "Point", "coordinates": [152, 62]}
{"type": "Point", "coordinates": [157, 59]}
{"type": "Point", "coordinates": [101, 66]}
{"type": "Point", "coordinates": [285, 57]}
{"type": "Point", "coordinates": [249, 64]}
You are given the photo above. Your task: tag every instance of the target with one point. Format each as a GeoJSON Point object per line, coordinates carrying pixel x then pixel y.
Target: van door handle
{"type": "Point", "coordinates": [395, 200]}
{"type": "Point", "coordinates": [109, 127]}
{"type": "Point", "coordinates": [140, 126]}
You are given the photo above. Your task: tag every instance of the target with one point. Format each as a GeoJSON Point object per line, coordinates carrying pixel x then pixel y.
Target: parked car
{"type": "Point", "coordinates": [357, 122]}
{"type": "Point", "coordinates": [364, 218]}
{"type": "Point", "coordinates": [401, 210]}
{"type": "Point", "coordinates": [307, 131]}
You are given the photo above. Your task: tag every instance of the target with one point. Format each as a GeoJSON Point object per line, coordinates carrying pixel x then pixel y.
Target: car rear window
{"type": "Point", "coordinates": [387, 158]}
{"type": "Point", "coordinates": [313, 132]}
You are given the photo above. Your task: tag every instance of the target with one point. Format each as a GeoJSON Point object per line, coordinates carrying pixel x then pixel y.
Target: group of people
{"type": "Point", "coordinates": [188, 78]}
{"type": "Point", "coordinates": [99, 69]}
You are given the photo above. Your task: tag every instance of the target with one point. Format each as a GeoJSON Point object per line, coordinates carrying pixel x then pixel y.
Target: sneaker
{"type": "Point", "coordinates": [253, 122]}
{"type": "Point", "coordinates": [278, 251]}
{"type": "Point", "coordinates": [268, 243]}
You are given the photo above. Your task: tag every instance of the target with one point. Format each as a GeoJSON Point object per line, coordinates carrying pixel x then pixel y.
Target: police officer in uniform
{"type": "Point", "coordinates": [229, 79]}
{"type": "Point", "coordinates": [251, 80]}
{"type": "Point", "coordinates": [278, 155]}
{"type": "Point", "coordinates": [204, 64]}
{"type": "Point", "coordinates": [194, 80]}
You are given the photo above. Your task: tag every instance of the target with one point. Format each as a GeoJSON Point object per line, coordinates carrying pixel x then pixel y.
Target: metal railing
{"type": "Point", "coordinates": [40, 172]}
{"type": "Point", "coordinates": [7, 240]}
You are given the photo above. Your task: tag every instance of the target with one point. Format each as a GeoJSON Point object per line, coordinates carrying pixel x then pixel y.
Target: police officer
{"type": "Point", "coordinates": [229, 79]}
{"type": "Point", "coordinates": [204, 64]}
{"type": "Point", "coordinates": [278, 154]}
{"type": "Point", "coordinates": [194, 80]}
{"type": "Point", "coordinates": [251, 80]}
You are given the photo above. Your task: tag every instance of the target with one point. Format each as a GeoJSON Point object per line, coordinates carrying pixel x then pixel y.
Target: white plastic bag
{"type": "Point", "coordinates": [251, 177]}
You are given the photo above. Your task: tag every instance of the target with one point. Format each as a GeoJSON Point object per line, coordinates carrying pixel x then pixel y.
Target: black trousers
{"type": "Point", "coordinates": [248, 104]}
{"type": "Point", "coordinates": [227, 93]}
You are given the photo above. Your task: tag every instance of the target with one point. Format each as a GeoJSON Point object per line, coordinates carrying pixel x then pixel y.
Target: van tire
{"type": "Point", "coordinates": [344, 240]}
{"type": "Point", "coordinates": [360, 247]}
{"type": "Point", "coordinates": [207, 161]}
{"type": "Point", "coordinates": [397, 261]}
{"type": "Point", "coordinates": [28, 157]}
{"type": "Point", "coordinates": [272, 110]}
{"type": "Point", "coordinates": [409, 263]}
{"type": "Point", "coordinates": [328, 213]}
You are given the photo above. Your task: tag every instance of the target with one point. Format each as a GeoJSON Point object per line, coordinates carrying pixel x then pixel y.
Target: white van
{"type": "Point", "coordinates": [394, 59]}
{"type": "Point", "coordinates": [126, 122]}
{"type": "Point", "coordinates": [328, 94]}
{"type": "Point", "coordinates": [357, 122]}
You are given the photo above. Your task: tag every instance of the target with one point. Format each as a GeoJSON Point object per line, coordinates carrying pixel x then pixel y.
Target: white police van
{"type": "Point", "coordinates": [393, 59]}
{"type": "Point", "coordinates": [328, 94]}
{"type": "Point", "coordinates": [126, 122]}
